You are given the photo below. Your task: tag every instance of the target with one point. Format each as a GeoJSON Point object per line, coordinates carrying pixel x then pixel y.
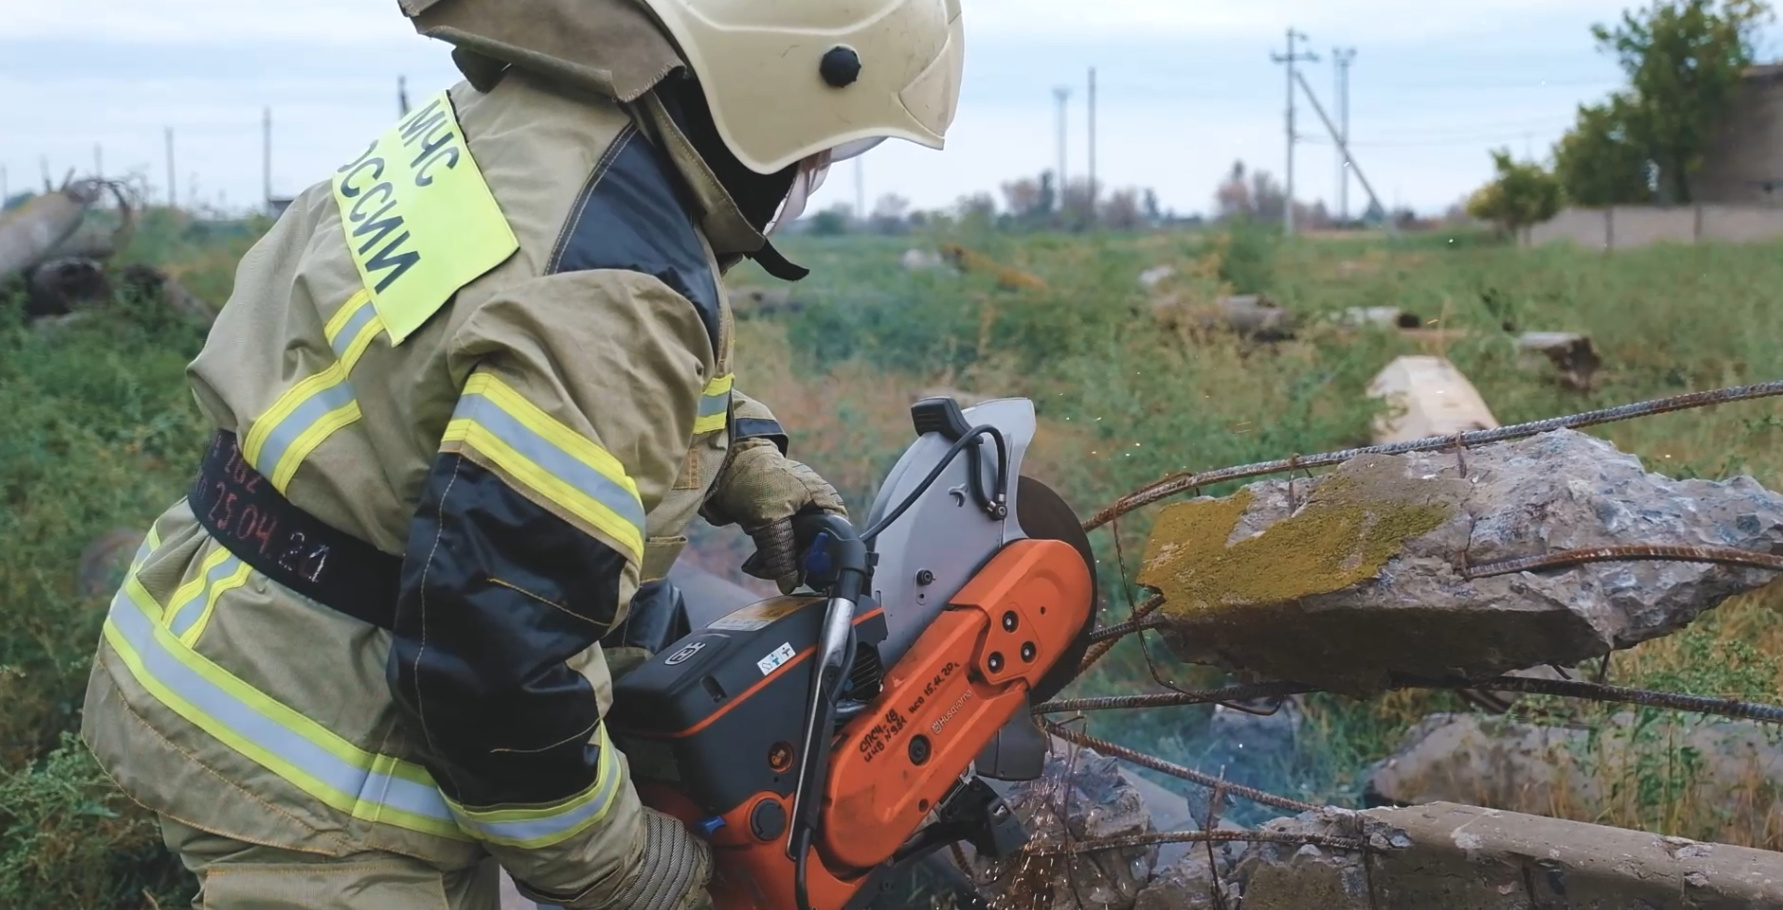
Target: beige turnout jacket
{"type": "Point", "coordinates": [495, 347]}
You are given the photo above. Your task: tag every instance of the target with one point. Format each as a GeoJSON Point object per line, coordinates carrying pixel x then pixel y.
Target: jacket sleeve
{"type": "Point", "coordinates": [525, 550]}
{"type": "Point", "coordinates": [750, 419]}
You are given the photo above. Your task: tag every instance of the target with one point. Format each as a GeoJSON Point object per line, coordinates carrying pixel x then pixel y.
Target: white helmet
{"type": "Point", "coordinates": [802, 81]}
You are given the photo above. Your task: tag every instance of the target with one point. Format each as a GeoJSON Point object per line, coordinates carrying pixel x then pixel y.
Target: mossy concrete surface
{"type": "Point", "coordinates": [1359, 580]}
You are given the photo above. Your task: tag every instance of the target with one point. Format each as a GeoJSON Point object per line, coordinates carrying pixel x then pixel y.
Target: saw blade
{"type": "Point", "coordinates": [1044, 515]}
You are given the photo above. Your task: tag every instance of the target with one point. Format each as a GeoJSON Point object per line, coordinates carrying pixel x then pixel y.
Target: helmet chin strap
{"type": "Point", "coordinates": [812, 173]}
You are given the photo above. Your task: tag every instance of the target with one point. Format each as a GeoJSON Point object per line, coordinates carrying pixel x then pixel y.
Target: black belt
{"type": "Point", "coordinates": [242, 510]}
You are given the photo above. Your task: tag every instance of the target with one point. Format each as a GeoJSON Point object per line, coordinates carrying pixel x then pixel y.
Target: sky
{"type": "Point", "coordinates": [1185, 89]}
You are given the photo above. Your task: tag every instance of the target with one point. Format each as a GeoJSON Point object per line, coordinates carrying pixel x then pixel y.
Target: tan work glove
{"type": "Point", "coordinates": [671, 872]}
{"type": "Point", "coordinates": [761, 490]}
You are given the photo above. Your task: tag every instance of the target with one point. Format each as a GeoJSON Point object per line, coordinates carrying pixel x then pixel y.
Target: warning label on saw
{"type": "Point", "coordinates": [756, 617]}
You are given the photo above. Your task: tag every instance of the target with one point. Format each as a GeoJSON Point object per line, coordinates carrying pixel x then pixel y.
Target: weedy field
{"type": "Point", "coordinates": [101, 434]}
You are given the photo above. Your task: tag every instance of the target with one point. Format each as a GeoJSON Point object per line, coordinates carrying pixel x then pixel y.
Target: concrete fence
{"type": "Point", "coordinates": [1631, 226]}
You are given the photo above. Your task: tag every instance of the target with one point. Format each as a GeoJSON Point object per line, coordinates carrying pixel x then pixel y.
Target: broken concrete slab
{"type": "Point", "coordinates": [1426, 396]}
{"type": "Point", "coordinates": [1080, 796]}
{"type": "Point", "coordinates": [1359, 579]}
{"type": "Point", "coordinates": [1194, 882]}
{"type": "Point", "coordinates": [1736, 767]}
{"type": "Point", "coordinates": [1468, 858]}
{"type": "Point", "coordinates": [1570, 353]}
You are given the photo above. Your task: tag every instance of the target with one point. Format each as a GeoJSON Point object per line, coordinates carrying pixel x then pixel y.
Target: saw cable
{"type": "Point", "coordinates": [1181, 483]}
{"type": "Point", "coordinates": [969, 438]}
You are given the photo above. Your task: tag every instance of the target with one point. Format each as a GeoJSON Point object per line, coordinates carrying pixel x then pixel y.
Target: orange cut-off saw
{"type": "Point", "coordinates": [820, 742]}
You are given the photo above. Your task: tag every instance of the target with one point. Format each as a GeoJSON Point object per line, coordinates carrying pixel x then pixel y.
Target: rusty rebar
{"type": "Point", "coordinates": [1101, 648]}
{"type": "Point", "coordinates": [1115, 750]}
{"type": "Point", "coordinates": [1181, 483]}
{"type": "Point", "coordinates": [1566, 688]}
{"type": "Point", "coordinates": [1637, 552]}
{"type": "Point", "coordinates": [1590, 691]}
{"type": "Point", "coordinates": [1122, 629]}
{"type": "Point", "coordinates": [1174, 699]}
{"type": "Point", "coordinates": [1075, 848]}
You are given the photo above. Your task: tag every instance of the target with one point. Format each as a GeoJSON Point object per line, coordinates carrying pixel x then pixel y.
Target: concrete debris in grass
{"type": "Point", "coordinates": [1734, 767]}
{"type": "Point", "coordinates": [1359, 579]}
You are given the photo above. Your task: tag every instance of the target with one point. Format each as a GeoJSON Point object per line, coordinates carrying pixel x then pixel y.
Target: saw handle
{"type": "Point", "coordinates": [838, 563]}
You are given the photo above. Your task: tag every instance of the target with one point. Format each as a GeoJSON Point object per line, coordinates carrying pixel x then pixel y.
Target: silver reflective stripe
{"type": "Point", "coordinates": [543, 452]}
{"type": "Point", "coordinates": [715, 405]}
{"type": "Point", "coordinates": [554, 828]}
{"type": "Point", "coordinates": [313, 409]}
{"type": "Point", "coordinates": [355, 323]}
{"type": "Point", "coordinates": [143, 552]}
{"type": "Point", "coordinates": [246, 722]}
{"type": "Point", "coordinates": [184, 615]}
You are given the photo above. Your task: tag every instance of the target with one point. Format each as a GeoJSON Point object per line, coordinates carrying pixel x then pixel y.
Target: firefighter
{"type": "Point", "coordinates": [467, 394]}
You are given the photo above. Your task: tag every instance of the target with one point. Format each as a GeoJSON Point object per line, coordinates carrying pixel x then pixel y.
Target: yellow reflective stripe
{"type": "Point", "coordinates": [551, 460]}
{"type": "Point", "coordinates": [368, 786]}
{"type": "Point", "coordinates": [532, 829]}
{"type": "Point", "coordinates": [313, 409]}
{"type": "Point", "coordinates": [307, 441]}
{"type": "Point", "coordinates": [237, 577]}
{"type": "Point", "coordinates": [150, 543]}
{"type": "Point", "coordinates": [191, 592]}
{"type": "Point", "coordinates": [715, 405]}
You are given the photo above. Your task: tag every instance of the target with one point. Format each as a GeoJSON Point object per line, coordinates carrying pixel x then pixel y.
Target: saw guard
{"type": "Point", "coordinates": [962, 680]}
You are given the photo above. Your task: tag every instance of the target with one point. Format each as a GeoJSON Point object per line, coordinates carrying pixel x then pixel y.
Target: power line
{"type": "Point", "coordinates": [1290, 59]}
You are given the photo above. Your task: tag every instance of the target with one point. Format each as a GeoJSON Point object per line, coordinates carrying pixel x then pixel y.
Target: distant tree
{"type": "Point", "coordinates": [1315, 216]}
{"type": "Point", "coordinates": [1269, 201]}
{"type": "Point", "coordinates": [1022, 197]}
{"type": "Point", "coordinates": [977, 211]}
{"type": "Point", "coordinates": [1523, 194]}
{"type": "Point", "coordinates": [1077, 212]}
{"type": "Point", "coordinates": [888, 214]}
{"type": "Point", "coordinates": [1374, 214]}
{"type": "Point", "coordinates": [833, 221]}
{"type": "Point", "coordinates": [1232, 198]}
{"type": "Point", "coordinates": [1121, 210]}
{"type": "Point", "coordinates": [1153, 213]}
{"type": "Point", "coordinates": [1049, 192]}
{"type": "Point", "coordinates": [1684, 60]}
{"type": "Point", "coordinates": [1600, 162]}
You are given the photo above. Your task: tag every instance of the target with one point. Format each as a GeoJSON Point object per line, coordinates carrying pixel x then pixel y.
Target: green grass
{"type": "Point", "coordinates": [103, 434]}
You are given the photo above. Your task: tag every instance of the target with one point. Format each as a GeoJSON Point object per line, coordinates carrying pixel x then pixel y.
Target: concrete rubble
{"type": "Point", "coordinates": [1358, 580]}
{"type": "Point", "coordinates": [1467, 858]}
{"type": "Point", "coordinates": [1426, 396]}
{"type": "Point", "coordinates": [1571, 354]}
{"type": "Point", "coordinates": [1438, 855]}
{"type": "Point", "coordinates": [1080, 796]}
{"type": "Point", "coordinates": [1560, 770]}
{"type": "Point", "coordinates": [1248, 316]}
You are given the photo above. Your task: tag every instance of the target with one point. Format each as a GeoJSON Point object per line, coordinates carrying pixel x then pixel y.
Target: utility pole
{"type": "Point", "coordinates": [98, 160]}
{"type": "Point", "coordinates": [1290, 59]}
{"type": "Point", "coordinates": [173, 198]}
{"type": "Point", "coordinates": [1342, 57]}
{"type": "Point", "coordinates": [266, 159]}
{"type": "Point", "coordinates": [1344, 145]}
{"type": "Point", "coordinates": [1063, 96]}
{"type": "Point", "coordinates": [1092, 102]}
